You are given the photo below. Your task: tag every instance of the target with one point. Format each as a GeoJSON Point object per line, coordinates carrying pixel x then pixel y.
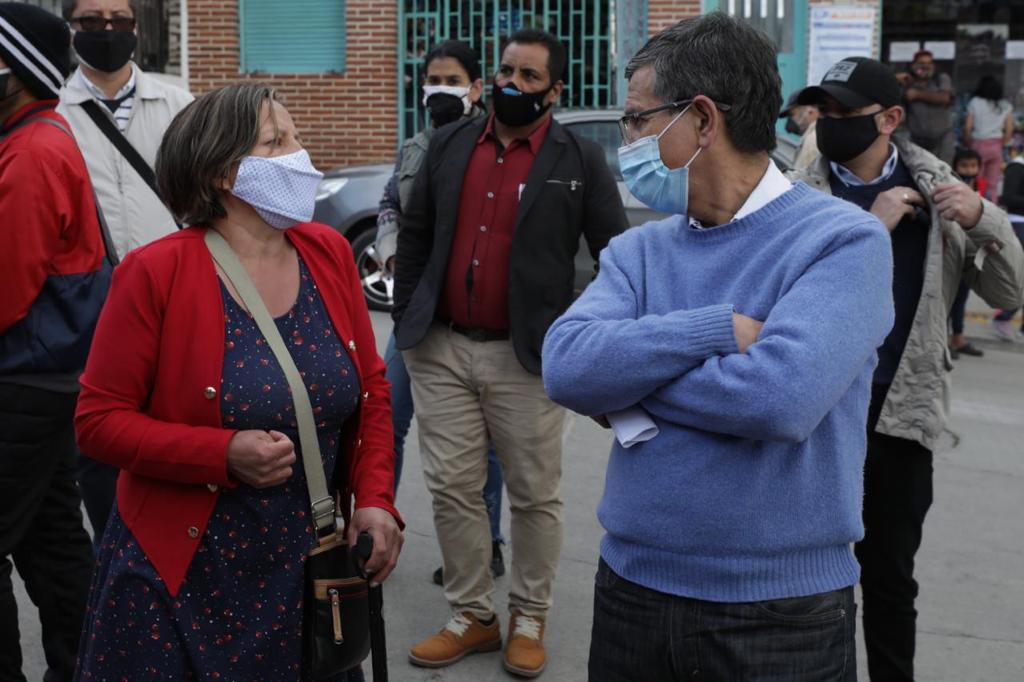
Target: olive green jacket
{"type": "Point", "coordinates": [917, 404]}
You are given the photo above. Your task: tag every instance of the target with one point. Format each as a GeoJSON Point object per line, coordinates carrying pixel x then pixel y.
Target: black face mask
{"type": "Point", "coordinates": [105, 51]}
{"type": "Point", "coordinates": [516, 108]}
{"type": "Point", "coordinates": [444, 109]}
{"type": "Point", "coordinates": [969, 179]}
{"type": "Point", "coordinates": [842, 139]}
{"type": "Point", "coordinates": [792, 127]}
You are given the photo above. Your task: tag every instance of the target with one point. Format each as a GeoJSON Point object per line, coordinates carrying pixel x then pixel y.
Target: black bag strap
{"type": "Point", "coordinates": [121, 143]}
{"type": "Point", "coordinates": [108, 242]}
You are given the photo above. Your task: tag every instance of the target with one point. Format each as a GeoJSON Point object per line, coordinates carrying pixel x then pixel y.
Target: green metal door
{"type": "Point", "coordinates": [584, 26]}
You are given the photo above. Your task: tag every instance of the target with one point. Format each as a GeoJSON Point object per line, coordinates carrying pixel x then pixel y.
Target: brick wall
{"type": "Point", "coordinates": [663, 13]}
{"type": "Point", "coordinates": [344, 119]}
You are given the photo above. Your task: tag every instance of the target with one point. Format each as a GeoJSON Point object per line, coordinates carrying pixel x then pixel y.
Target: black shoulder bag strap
{"type": "Point", "coordinates": [121, 143]}
{"type": "Point", "coordinates": [108, 243]}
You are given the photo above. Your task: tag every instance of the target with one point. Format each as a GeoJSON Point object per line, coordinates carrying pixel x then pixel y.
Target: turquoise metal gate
{"type": "Point", "coordinates": [585, 26]}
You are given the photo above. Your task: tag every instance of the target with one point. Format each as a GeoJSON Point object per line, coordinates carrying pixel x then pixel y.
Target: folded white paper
{"type": "Point", "coordinates": [632, 426]}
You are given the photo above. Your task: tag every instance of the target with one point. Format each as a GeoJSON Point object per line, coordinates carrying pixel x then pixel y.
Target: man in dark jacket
{"type": "Point", "coordinates": [485, 264]}
{"type": "Point", "coordinates": [54, 279]}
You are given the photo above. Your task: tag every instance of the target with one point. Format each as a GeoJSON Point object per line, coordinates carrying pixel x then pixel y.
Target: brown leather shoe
{"type": "Point", "coordinates": [463, 635]}
{"type": "Point", "coordinates": [524, 654]}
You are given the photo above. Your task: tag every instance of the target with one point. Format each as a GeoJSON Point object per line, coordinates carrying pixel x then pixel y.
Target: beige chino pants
{"type": "Point", "coordinates": [465, 392]}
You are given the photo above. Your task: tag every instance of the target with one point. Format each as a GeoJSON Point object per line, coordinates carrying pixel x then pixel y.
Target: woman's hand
{"type": "Point", "coordinates": [387, 540]}
{"type": "Point", "coordinates": [261, 458]}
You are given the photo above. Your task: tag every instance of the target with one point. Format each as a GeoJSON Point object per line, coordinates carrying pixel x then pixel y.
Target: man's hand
{"type": "Point", "coordinates": [959, 203]}
{"type": "Point", "coordinates": [746, 329]}
{"type": "Point", "coordinates": [387, 540]}
{"type": "Point", "coordinates": [890, 206]}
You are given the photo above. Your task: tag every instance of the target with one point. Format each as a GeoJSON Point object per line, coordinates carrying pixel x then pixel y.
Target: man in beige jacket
{"type": "Point", "coordinates": [141, 106]}
{"type": "Point", "coordinates": [940, 230]}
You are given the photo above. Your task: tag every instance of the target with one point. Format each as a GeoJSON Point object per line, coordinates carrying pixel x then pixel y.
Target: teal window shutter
{"type": "Point", "coordinates": [298, 36]}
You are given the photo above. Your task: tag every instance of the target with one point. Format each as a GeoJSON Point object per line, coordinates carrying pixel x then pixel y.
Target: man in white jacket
{"type": "Point", "coordinates": [141, 107]}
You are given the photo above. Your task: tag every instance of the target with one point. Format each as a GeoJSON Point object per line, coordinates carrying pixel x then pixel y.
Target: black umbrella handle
{"type": "Point", "coordinates": [378, 645]}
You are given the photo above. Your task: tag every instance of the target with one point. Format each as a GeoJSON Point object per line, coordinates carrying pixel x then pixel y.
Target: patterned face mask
{"type": "Point", "coordinates": [282, 189]}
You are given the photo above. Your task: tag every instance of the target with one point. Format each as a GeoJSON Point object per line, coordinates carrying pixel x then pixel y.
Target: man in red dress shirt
{"type": "Point", "coordinates": [485, 264]}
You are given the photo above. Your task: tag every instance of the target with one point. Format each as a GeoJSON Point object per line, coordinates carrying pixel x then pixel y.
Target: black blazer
{"type": "Point", "coordinates": [569, 191]}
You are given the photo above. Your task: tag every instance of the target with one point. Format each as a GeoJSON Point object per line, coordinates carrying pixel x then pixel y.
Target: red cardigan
{"type": "Point", "coordinates": [150, 393]}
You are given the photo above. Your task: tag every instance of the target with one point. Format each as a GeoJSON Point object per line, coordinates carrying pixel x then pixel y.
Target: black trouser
{"type": "Point", "coordinates": [41, 527]}
{"type": "Point", "coordinates": [897, 495]}
{"type": "Point", "coordinates": [640, 635]}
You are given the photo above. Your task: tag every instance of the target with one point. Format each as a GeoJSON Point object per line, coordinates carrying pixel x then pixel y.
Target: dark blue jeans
{"type": "Point", "coordinates": [401, 419]}
{"type": "Point", "coordinates": [641, 635]}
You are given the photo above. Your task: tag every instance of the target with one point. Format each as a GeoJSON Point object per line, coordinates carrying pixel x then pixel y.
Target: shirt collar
{"type": "Point", "coordinates": [773, 185]}
{"type": "Point", "coordinates": [851, 180]}
{"type": "Point", "coordinates": [97, 93]}
{"type": "Point", "coordinates": [79, 89]}
{"type": "Point", "coordinates": [535, 139]}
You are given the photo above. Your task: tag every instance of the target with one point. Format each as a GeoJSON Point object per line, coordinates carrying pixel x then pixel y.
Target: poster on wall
{"type": "Point", "coordinates": [836, 33]}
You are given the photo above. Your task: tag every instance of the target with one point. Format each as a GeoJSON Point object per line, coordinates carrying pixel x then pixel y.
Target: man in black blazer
{"type": "Point", "coordinates": [485, 264]}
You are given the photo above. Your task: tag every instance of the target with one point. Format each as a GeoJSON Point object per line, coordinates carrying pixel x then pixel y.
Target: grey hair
{"type": "Point", "coordinates": [202, 146]}
{"type": "Point", "coordinates": [725, 59]}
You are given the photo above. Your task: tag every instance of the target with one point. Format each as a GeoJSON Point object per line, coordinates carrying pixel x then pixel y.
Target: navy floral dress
{"type": "Point", "coordinates": [238, 615]}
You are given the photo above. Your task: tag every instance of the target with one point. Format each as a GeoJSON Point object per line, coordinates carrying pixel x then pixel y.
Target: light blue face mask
{"type": "Point", "coordinates": [649, 179]}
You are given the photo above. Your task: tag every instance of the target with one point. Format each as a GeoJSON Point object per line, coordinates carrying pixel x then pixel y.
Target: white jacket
{"type": "Point", "coordinates": [134, 214]}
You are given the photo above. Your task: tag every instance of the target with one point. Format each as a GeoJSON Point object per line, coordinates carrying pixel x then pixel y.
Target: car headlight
{"type": "Point", "coordinates": [330, 186]}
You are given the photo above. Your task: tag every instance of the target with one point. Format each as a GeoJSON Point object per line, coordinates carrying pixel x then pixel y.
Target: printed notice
{"type": "Point", "coordinates": [838, 32]}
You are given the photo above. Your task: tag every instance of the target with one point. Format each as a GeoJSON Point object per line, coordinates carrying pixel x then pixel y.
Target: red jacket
{"type": "Point", "coordinates": [150, 403]}
{"type": "Point", "coordinates": [53, 277]}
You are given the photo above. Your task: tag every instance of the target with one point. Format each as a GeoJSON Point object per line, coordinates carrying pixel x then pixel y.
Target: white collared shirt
{"type": "Point", "coordinates": [773, 184]}
{"type": "Point", "coordinates": [851, 180]}
{"type": "Point", "coordinates": [123, 113]}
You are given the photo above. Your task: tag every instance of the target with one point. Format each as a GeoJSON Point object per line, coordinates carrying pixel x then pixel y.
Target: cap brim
{"type": "Point", "coordinates": [817, 94]}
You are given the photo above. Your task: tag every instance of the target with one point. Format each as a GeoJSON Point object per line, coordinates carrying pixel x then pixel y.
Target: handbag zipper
{"type": "Point", "coordinates": [336, 615]}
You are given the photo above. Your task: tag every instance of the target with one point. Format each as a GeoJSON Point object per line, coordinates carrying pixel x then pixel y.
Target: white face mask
{"type": "Point", "coordinates": [282, 189]}
{"type": "Point", "coordinates": [455, 91]}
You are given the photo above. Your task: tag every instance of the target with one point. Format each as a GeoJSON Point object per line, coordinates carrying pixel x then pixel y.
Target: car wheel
{"type": "Point", "coordinates": [378, 286]}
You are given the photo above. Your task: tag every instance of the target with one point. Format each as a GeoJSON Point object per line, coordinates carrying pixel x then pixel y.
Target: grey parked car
{"type": "Point", "coordinates": [349, 197]}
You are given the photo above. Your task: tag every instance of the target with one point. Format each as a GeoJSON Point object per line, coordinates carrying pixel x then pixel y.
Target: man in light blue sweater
{"type": "Point", "coordinates": [745, 327]}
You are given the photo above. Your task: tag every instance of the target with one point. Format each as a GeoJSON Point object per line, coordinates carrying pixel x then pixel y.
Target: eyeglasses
{"type": "Point", "coordinates": [94, 23]}
{"type": "Point", "coordinates": [629, 125]}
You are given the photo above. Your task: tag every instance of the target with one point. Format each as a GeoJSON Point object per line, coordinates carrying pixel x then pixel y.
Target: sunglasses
{"type": "Point", "coordinates": [93, 23]}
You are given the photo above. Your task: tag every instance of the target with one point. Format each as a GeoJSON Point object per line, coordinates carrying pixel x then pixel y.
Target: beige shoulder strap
{"type": "Point", "coordinates": [321, 502]}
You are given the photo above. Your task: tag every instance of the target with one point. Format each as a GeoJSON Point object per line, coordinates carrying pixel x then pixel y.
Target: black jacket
{"type": "Point", "coordinates": [553, 213]}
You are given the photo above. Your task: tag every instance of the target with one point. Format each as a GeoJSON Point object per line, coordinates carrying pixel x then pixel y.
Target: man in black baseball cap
{"type": "Point", "coordinates": [800, 120]}
{"type": "Point", "coordinates": [937, 225]}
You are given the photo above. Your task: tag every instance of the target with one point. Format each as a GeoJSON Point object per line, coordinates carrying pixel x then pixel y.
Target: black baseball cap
{"type": "Point", "coordinates": [790, 103]}
{"type": "Point", "coordinates": [855, 82]}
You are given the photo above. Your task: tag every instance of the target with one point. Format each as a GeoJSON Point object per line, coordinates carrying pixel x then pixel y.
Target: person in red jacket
{"type": "Point", "coordinates": [53, 280]}
{"type": "Point", "coordinates": [204, 551]}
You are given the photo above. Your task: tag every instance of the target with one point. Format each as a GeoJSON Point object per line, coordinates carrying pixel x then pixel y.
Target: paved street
{"type": "Point", "coordinates": [971, 567]}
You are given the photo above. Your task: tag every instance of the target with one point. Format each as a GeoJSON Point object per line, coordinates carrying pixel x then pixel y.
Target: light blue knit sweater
{"type": "Point", "coordinates": [753, 488]}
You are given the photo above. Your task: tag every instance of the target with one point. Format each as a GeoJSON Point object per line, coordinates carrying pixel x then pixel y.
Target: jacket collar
{"type": "Point", "coordinates": [146, 87]}
{"type": "Point", "coordinates": [924, 167]}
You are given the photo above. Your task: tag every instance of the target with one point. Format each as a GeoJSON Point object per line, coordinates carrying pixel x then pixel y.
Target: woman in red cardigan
{"type": "Point", "coordinates": [200, 573]}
